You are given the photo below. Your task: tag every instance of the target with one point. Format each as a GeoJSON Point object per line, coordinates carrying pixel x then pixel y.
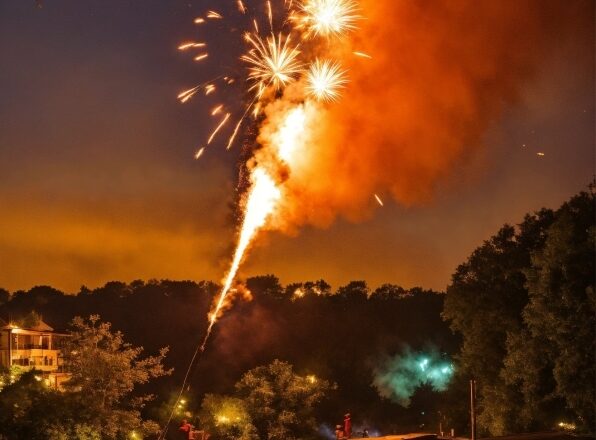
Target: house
{"type": "Point", "coordinates": [33, 347]}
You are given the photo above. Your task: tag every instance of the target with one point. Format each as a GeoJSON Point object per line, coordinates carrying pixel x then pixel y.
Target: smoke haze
{"type": "Point", "coordinates": [440, 74]}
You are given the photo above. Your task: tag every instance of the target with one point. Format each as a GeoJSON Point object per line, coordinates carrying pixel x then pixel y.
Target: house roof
{"type": "Point", "coordinates": [39, 327]}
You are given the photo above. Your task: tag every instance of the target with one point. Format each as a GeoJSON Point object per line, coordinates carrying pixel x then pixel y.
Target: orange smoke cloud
{"type": "Point", "coordinates": [440, 73]}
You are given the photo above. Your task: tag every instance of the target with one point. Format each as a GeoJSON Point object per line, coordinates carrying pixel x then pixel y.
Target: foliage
{"type": "Point", "coordinates": [9, 375]}
{"type": "Point", "coordinates": [227, 418]}
{"type": "Point", "coordinates": [343, 338]}
{"type": "Point", "coordinates": [524, 304]}
{"type": "Point", "coordinates": [280, 402]}
{"type": "Point", "coordinates": [271, 402]}
{"type": "Point", "coordinates": [560, 319]}
{"type": "Point", "coordinates": [97, 402]}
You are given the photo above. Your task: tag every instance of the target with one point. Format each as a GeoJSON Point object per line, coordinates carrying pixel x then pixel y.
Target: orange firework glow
{"type": "Point", "coordinates": [406, 116]}
{"type": "Point", "coordinates": [260, 202]}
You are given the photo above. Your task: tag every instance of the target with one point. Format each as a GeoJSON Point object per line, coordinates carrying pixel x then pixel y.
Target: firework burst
{"type": "Point", "coordinates": [327, 17]}
{"type": "Point", "coordinates": [273, 62]}
{"type": "Point", "coordinates": [325, 80]}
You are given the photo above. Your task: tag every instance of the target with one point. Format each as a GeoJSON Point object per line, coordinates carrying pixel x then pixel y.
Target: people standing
{"type": "Point", "coordinates": [185, 430]}
{"type": "Point", "coordinates": [348, 425]}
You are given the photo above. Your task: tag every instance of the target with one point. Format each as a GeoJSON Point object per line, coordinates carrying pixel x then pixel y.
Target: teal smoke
{"type": "Point", "coordinates": [398, 377]}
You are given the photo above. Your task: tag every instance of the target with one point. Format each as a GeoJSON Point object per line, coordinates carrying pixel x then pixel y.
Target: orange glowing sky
{"type": "Point", "coordinates": [98, 181]}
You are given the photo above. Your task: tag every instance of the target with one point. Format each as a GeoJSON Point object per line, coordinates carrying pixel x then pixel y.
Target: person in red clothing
{"type": "Point", "coordinates": [185, 430]}
{"type": "Point", "coordinates": [347, 426]}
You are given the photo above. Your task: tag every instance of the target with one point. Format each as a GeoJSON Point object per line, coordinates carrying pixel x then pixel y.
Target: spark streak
{"type": "Point", "coordinates": [216, 110]}
{"type": "Point", "coordinates": [231, 140]}
{"type": "Point", "coordinates": [185, 46]}
{"type": "Point", "coordinates": [199, 152]}
{"type": "Point", "coordinates": [379, 201]}
{"type": "Point", "coordinates": [241, 6]}
{"type": "Point", "coordinates": [221, 124]}
{"type": "Point", "coordinates": [210, 88]}
{"type": "Point", "coordinates": [201, 57]}
{"type": "Point", "coordinates": [260, 202]}
{"type": "Point", "coordinates": [363, 55]}
{"type": "Point", "coordinates": [187, 94]}
{"type": "Point", "coordinates": [270, 14]}
{"type": "Point", "coordinates": [213, 14]}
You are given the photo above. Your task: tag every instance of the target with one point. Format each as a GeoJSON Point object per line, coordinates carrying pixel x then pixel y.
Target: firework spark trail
{"type": "Point", "coordinates": [237, 127]}
{"type": "Point", "coordinates": [241, 6]}
{"type": "Point", "coordinates": [260, 202]}
{"type": "Point", "coordinates": [199, 153]}
{"type": "Point", "coordinates": [221, 124]}
{"type": "Point", "coordinates": [185, 46]}
{"type": "Point", "coordinates": [216, 110]}
{"type": "Point", "coordinates": [274, 63]}
{"type": "Point", "coordinates": [270, 15]}
{"type": "Point", "coordinates": [362, 55]}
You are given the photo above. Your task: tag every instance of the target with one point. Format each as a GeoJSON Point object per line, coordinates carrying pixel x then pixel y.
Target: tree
{"type": "Point", "coordinates": [104, 371]}
{"type": "Point", "coordinates": [557, 375]}
{"type": "Point", "coordinates": [484, 303]}
{"type": "Point", "coordinates": [4, 296]}
{"type": "Point", "coordinates": [30, 409]}
{"type": "Point", "coordinates": [281, 403]}
{"type": "Point", "coordinates": [227, 418]}
{"type": "Point", "coordinates": [524, 305]}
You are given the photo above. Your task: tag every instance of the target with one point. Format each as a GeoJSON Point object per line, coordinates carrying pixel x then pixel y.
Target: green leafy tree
{"type": "Point", "coordinates": [104, 371]}
{"type": "Point", "coordinates": [524, 305]}
{"type": "Point", "coordinates": [270, 402]}
{"type": "Point", "coordinates": [227, 418]}
{"type": "Point", "coordinates": [30, 409]}
{"type": "Point", "coordinates": [484, 303]}
{"type": "Point", "coordinates": [281, 403]}
{"type": "Point", "coordinates": [553, 359]}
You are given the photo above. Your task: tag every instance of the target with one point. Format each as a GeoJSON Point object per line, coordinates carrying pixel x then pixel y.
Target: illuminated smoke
{"type": "Point", "coordinates": [397, 378]}
{"type": "Point", "coordinates": [426, 81]}
{"type": "Point", "coordinates": [439, 75]}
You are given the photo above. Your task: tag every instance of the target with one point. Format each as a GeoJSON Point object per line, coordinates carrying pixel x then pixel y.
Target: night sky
{"type": "Point", "coordinates": [98, 180]}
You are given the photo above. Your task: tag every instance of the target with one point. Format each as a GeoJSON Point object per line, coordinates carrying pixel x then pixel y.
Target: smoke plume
{"type": "Point", "coordinates": [441, 72]}
{"type": "Point", "coordinates": [397, 378]}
